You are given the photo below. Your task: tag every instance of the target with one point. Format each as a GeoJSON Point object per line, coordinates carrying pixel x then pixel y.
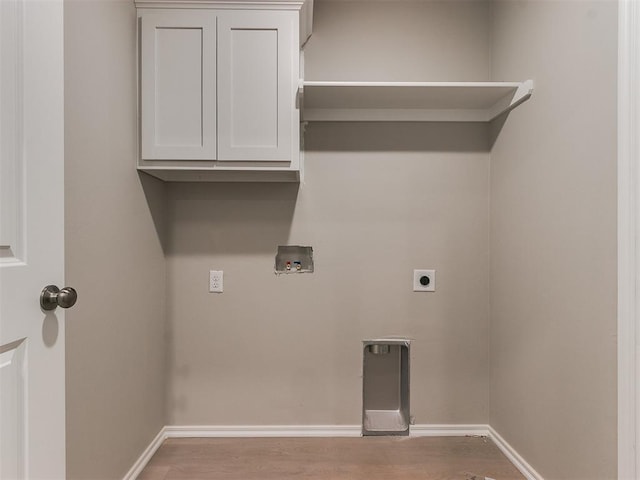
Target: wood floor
{"type": "Point", "coordinates": [370, 458]}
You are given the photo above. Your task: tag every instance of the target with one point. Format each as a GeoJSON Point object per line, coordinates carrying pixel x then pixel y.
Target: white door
{"type": "Point", "coordinates": [32, 409]}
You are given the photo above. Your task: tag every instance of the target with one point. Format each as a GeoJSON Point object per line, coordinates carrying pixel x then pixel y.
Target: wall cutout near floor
{"type": "Point", "coordinates": [386, 387]}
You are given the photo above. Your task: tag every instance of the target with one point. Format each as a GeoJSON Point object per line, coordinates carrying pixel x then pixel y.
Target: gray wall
{"type": "Point", "coordinates": [378, 201]}
{"type": "Point", "coordinates": [116, 333]}
{"type": "Point", "coordinates": [400, 40]}
{"type": "Point", "coordinates": [553, 239]}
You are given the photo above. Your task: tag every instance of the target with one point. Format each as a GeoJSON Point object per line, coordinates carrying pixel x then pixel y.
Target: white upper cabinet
{"type": "Point", "coordinates": [178, 86]}
{"type": "Point", "coordinates": [218, 86]}
{"type": "Point", "coordinates": [256, 89]}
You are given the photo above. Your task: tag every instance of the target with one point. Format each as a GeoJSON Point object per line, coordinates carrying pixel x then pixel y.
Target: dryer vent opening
{"type": "Point", "coordinates": [385, 387]}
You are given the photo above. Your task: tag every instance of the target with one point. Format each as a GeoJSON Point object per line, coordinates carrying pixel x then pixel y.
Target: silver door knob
{"type": "Point", "coordinates": [52, 297]}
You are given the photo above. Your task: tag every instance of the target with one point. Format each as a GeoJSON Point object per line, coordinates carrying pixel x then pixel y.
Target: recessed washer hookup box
{"type": "Point", "coordinates": [385, 387]}
{"type": "Point", "coordinates": [294, 259]}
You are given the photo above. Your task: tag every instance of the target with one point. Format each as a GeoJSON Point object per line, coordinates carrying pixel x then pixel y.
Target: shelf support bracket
{"type": "Point", "coordinates": [522, 94]}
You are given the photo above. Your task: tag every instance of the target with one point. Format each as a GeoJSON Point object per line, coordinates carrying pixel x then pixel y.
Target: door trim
{"type": "Point", "coordinates": [628, 222]}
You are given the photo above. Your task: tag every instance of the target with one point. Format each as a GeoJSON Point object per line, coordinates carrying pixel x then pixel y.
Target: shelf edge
{"type": "Point", "coordinates": [521, 93]}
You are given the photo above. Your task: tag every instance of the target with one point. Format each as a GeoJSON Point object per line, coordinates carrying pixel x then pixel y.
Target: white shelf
{"type": "Point", "coordinates": [410, 101]}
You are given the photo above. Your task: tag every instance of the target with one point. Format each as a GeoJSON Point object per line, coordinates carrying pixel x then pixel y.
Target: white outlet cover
{"type": "Point", "coordinates": [419, 287]}
{"type": "Point", "coordinates": [216, 281]}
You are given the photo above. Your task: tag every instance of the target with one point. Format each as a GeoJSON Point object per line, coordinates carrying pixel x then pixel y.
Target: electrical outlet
{"type": "Point", "coordinates": [424, 280]}
{"type": "Point", "coordinates": [215, 281]}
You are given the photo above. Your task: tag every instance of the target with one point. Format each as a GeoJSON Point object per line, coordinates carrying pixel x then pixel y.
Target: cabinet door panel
{"type": "Point", "coordinates": [178, 100]}
{"type": "Point", "coordinates": [254, 67]}
{"type": "Point", "coordinates": [255, 86]}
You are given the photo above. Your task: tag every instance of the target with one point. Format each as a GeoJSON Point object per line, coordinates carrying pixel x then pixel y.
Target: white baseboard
{"type": "Point", "coordinates": [449, 430]}
{"type": "Point", "coordinates": [137, 468]}
{"type": "Point", "coordinates": [514, 457]}
{"type": "Point", "coordinates": [217, 431]}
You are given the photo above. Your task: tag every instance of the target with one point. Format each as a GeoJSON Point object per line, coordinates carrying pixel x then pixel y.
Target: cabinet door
{"type": "Point", "coordinates": [178, 85]}
{"type": "Point", "coordinates": [256, 89]}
